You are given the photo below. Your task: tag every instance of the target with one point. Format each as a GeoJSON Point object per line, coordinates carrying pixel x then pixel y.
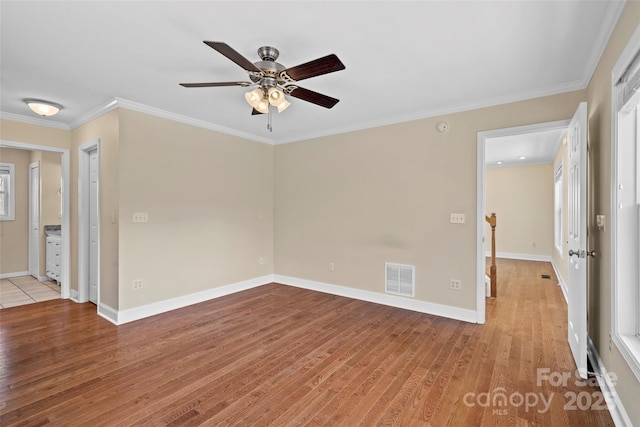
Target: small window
{"type": "Point", "coordinates": [557, 208]}
{"type": "Point", "coordinates": [7, 185]}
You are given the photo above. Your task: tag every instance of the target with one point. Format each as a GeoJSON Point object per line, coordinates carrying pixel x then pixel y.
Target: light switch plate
{"type": "Point", "coordinates": [140, 217]}
{"type": "Point", "coordinates": [457, 218]}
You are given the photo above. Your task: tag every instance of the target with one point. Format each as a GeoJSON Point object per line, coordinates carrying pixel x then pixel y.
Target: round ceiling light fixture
{"type": "Point", "coordinates": [43, 108]}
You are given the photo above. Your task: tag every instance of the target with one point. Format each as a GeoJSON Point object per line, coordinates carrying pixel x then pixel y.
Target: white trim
{"type": "Point", "coordinates": [130, 105]}
{"type": "Point", "coordinates": [609, 22]}
{"type": "Point", "coordinates": [34, 251]}
{"type": "Point", "coordinates": [11, 214]}
{"type": "Point", "coordinates": [66, 176]}
{"type": "Point", "coordinates": [628, 346]}
{"type": "Point", "coordinates": [616, 409]}
{"type": "Point", "coordinates": [378, 298]}
{"type": "Point", "coordinates": [480, 197]}
{"type": "Point", "coordinates": [524, 257]}
{"type": "Point", "coordinates": [94, 114]}
{"type": "Point", "coordinates": [137, 313]}
{"type": "Point", "coordinates": [33, 121]}
{"type": "Point", "coordinates": [83, 219]}
{"type": "Point", "coordinates": [108, 312]}
{"type": "Point", "coordinates": [481, 218]}
{"type": "Point", "coordinates": [15, 274]}
{"type": "Point", "coordinates": [561, 282]}
{"type": "Point", "coordinates": [74, 295]}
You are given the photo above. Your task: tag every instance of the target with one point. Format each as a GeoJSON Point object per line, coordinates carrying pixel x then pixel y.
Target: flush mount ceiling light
{"type": "Point", "coordinates": [274, 80]}
{"type": "Point", "coordinates": [43, 108]}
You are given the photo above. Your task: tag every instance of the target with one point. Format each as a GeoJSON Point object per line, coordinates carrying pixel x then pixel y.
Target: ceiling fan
{"type": "Point", "coordinates": [274, 80]}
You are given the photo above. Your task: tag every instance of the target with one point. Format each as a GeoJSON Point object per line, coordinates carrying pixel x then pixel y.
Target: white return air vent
{"type": "Point", "coordinates": [399, 279]}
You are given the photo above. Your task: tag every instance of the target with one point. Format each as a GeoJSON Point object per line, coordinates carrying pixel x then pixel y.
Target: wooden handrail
{"type": "Point", "coordinates": [493, 274]}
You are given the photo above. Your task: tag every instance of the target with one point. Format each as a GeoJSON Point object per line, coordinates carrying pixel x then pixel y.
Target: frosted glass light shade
{"type": "Point", "coordinates": [253, 97]}
{"type": "Point", "coordinates": [43, 108]}
{"type": "Point", "coordinates": [276, 96]}
{"type": "Point", "coordinates": [262, 106]}
{"type": "Point", "coordinates": [283, 105]}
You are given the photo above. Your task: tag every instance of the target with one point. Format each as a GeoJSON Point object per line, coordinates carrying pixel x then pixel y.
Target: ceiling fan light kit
{"type": "Point", "coordinates": [274, 80]}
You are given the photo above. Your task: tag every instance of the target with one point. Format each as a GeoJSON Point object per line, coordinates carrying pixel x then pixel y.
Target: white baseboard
{"type": "Point", "coordinates": [378, 298]}
{"type": "Point", "coordinates": [136, 313]}
{"type": "Point", "coordinates": [525, 257]}
{"type": "Point", "coordinates": [561, 282]}
{"type": "Point", "coordinates": [109, 313]}
{"type": "Point", "coordinates": [129, 315]}
{"type": "Point", "coordinates": [16, 274]}
{"type": "Point", "coordinates": [617, 411]}
{"type": "Point", "coordinates": [74, 295]}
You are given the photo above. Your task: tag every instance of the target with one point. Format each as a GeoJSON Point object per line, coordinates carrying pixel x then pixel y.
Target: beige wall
{"type": "Point", "coordinates": [209, 198]}
{"type": "Point", "coordinates": [106, 129]}
{"type": "Point", "coordinates": [50, 197]}
{"type": "Point", "coordinates": [599, 199]}
{"type": "Point", "coordinates": [385, 194]}
{"type": "Point", "coordinates": [14, 235]}
{"type": "Point", "coordinates": [560, 258]}
{"type": "Point", "coordinates": [522, 199]}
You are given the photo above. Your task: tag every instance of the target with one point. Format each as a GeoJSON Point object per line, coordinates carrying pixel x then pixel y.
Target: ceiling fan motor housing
{"type": "Point", "coordinates": [269, 67]}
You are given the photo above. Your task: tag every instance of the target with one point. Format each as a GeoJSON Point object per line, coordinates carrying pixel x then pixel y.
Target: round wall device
{"type": "Point", "coordinates": [442, 127]}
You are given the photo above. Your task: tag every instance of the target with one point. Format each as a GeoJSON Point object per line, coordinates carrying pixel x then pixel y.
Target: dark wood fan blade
{"type": "Point", "coordinates": [313, 97]}
{"type": "Point", "coordinates": [230, 53]}
{"type": "Point", "coordinates": [214, 84]}
{"type": "Point", "coordinates": [255, 112]}
{"type": "Point", "coordinates": [317, 67]}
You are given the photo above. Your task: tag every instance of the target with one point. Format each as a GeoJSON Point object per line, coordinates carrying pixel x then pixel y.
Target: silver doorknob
{"type": "Point", "coordinates": [592, 254]}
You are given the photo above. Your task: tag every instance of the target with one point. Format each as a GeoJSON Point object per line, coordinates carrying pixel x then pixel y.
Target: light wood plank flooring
{"type": "Point", "coordinates": [278, 355]}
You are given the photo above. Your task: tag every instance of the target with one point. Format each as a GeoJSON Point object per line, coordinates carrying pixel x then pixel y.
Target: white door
{"type": "Point", "coordinates": [577, 302]}
{"type": "Point", "coordinates": [94, 228]}
{"type": "Point", "coordinates": [34, 219]}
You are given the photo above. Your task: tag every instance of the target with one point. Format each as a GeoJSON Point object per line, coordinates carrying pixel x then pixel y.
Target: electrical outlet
{"type": "Point", "coordinates": [456, 218]}
{"type": "Point", "coordinates": [455, 284]}
{"type": "Point", "coordinates": [331, 266]}
{"type": "Point", "coordinates": [137, 284]}
{"type": "Point", "coordinates": [262, 261]}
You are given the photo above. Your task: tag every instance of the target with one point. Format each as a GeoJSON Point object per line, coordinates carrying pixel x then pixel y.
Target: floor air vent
{"type": "Point", "coordinates": [546, 276]}
{"type": "Point", "coordinates": [400, 279]}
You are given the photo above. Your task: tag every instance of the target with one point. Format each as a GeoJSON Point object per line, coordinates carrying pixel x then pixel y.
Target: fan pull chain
{"type": "Point", "coordinates": [269, 126]}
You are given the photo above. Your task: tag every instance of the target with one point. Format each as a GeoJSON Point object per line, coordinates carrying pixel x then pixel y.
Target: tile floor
{"type": "Point", "coordinates": [26, 290]}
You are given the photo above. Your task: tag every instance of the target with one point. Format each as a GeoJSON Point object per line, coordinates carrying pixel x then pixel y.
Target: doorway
{"type": "Point", "coordinates": [65, 290]}
{"type": "Point", "coordinates": [89, 223]}
{"type": "Point", "coordinates": [500, 136]}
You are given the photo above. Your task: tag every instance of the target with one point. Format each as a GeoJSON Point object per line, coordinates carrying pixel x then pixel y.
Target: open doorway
{"type": "Point", "coordinates": [59, 200]}
{"type": "Point", "coordinates": [501, 154]}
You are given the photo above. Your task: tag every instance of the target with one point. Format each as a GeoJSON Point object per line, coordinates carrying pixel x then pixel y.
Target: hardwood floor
{"type": "Point", "coordinates": [278, 355]}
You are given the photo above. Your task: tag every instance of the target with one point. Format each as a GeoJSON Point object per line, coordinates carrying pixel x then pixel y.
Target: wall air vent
{"type": "Point", "coordinates": [400, 279]}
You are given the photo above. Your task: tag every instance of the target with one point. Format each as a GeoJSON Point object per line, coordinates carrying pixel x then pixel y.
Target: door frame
{"type": "Point", "coordinates": [34, 252]}
{"type": "Point", "coordinates": [83, 219]}
{"type": "Point", "coordinates": [481, 205]}
{"type": "Point", "coordinates": [65, 289]}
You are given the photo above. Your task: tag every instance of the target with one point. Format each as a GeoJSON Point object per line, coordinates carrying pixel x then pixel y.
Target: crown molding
{"type": "Point", "coordinates": [441, 111]}
{"type": "Point", "coordinates": [94, 114]}
{"type": "Point", "coordinates": [141, 108]}
{"type": "Point", "coordinates": [434, 112]}
{"type": "Point", "coordinates": [610, 20]}
{"type": "Point", "coordinates": [33, 121]}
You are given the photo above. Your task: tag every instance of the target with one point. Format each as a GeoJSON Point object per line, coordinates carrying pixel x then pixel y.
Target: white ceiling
{"type": "Point", "coordinates": [404, 60]}
{"type": "Point", "coordinates": [533, 148]}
